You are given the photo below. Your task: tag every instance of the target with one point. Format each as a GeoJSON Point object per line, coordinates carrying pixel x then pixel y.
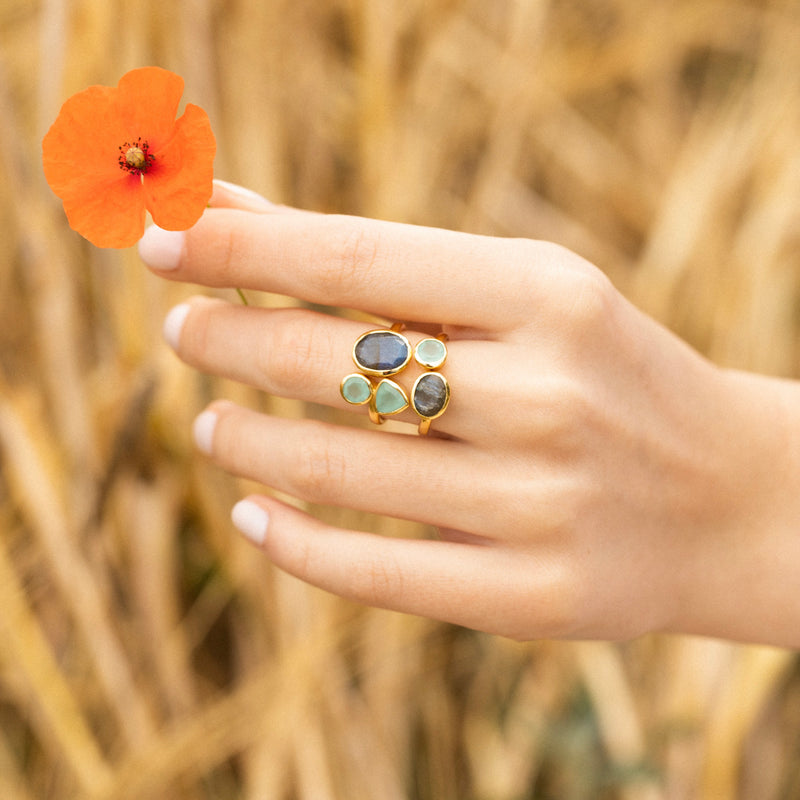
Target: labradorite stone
{"type": "Point", "coordinates": [382, 352]}
{"type": "Point", "coordinates": [430, 353]}
{"type": "Point", "coordinates": [389, 398]}
{"type": "Point", "coordinates": [431, 395]}
{"type": "Point", "coordinates": [356, 389]}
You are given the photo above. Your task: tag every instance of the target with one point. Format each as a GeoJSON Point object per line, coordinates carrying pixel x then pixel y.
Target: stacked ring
{"type": "Point", "coordinates": [379, 354]}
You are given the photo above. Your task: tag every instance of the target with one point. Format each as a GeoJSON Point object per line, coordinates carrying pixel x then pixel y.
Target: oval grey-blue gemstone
{"type": "Point", "coordinates": [382, 352]}
{"type": "Point", "coordinates": [431, 395]}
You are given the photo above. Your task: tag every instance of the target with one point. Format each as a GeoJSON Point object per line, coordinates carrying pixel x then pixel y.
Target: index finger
{"type": "Point", "coordinates": [395, 270]}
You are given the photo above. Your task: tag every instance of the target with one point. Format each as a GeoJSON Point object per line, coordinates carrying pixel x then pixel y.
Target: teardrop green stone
{"type": "Point", "coordinates": [389, 398]}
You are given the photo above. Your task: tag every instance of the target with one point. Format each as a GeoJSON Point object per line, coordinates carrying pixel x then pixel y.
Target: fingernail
{"type": "Point", "coordinates": [251, 520]}
{"type": "Point", "coordinates": [161, 249]}
{"type": "Point", "coordinates": [203, 430]}
{"type": "Point", "coordinates": [243, 193]}
{"type": "Point", "coordinates": [173, 324]}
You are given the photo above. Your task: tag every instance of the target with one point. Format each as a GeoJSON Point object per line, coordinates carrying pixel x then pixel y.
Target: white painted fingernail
{"type": "Point", "coordinates": [244, 193]}
{"type": "Point", "coordinates": [161, 249]}
{"type": "Point", "coordinates": [251, 520]}
{"type": "Point", "coordinates": [203, 430]}
{"type": "Point", "coordinates": [173, 324]}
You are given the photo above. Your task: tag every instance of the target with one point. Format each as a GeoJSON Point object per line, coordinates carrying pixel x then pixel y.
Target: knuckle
{"type": "Point", "coordinates": [571, 408]}
{"type": "Point", "coordinates": [578, 293]}
{"type": "Point", "coordinates": [358, 251]}
{"type": "Point", "coordinates": [590, 301]}
{"type": "Point", "coordinates": [569, 608]}
{"type": "Point", "coordinates": [354, 253]}
{"type": "Point", "coordinates": [233, 440]}
{"type": "Point", "coordinates": [554, 609]}
{"type": "Point", "coordinates": [559, 409]}
{"type": "Point", "coordinates": [223, 252]}
{"type": "Point", "coordinates": [303, 561]}
{"type": "Point", "coordinates": [298, 354]}
{"type": "Point", "coordinates": [550, 500]}
{"type": "Point", "coordinates": [318, 472]}
{"type": "Point", "coordinates": [196, 333]}
{"type": "Point", "coordinates": [378, 582]}
{"type": "Point", "coordinates": [564, 613]}
{"type": "Point", "coordinates": [542, 253]}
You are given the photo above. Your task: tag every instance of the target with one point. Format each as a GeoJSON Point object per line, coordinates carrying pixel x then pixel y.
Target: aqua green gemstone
{"type": "Point", "coordinates": [356, 389]}
{"type": "Point", "coordinates": [430, 353]}
{"type": "Point", "coordinates": [390, 398]}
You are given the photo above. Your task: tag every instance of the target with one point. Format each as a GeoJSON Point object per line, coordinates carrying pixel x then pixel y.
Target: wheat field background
{"type": "Point", "coordinates": [145, 652]}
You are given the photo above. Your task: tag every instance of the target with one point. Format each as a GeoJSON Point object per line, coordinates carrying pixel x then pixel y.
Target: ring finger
{"type": "Point", "coordinates": [305, 355]}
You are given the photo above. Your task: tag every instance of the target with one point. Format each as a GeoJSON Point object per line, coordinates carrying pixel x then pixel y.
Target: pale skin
{"type": "Point", "coordinates": [593, 476]}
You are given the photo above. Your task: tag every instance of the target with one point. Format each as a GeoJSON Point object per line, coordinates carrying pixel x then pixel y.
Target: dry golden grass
{"type": "Point", "coordinates": [145, 652]}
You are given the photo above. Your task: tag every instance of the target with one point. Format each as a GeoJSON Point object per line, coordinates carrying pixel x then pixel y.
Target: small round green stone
{"type": "Point", "coordinates": [430, 353]}
{"type": "Point", "coordinates": [356, 389]}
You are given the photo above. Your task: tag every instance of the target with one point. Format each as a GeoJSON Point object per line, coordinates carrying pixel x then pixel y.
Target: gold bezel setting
{"type": "Point", "coordinates": [372, 366]}
{"type": "Point", "coordinates": [395, 393]}
{"type": "Point", "coordinates": [443, 396]}
{"type": "Point", "coordinates": [361, 380]}
{"type": "Point", "coordinates": [431, 353]}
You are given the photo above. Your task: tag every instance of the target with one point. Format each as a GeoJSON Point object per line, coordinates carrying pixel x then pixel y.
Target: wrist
{"type": "Point", "coordinates": [740, 573]}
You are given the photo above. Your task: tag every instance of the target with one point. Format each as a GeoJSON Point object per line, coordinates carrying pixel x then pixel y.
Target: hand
{"type": "Point", "coordinates": [593, 476]}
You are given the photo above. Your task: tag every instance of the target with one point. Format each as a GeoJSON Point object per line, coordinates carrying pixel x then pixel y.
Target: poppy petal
{"type": "Point", "coordinates": [148, 100]}
{"type": "Point", "coordinates": [82, 144]}
{"type": "Point", "coordinates": [112, 216]}
{"type": "Point", "coordinates": [178, 187]}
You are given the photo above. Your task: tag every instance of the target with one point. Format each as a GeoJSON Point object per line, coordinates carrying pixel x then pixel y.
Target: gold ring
{"type": "Point", "coordinates": [382, 353]}
{"type": "Point", "coordinates": [429, 398]}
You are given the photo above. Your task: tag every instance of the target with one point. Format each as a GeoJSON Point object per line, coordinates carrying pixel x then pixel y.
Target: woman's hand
{"type": "Point", "coordinates": [592, 477]}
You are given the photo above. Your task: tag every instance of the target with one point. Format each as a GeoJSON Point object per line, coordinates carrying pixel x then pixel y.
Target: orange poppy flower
{"type": "Point", "coordinates": [115, 152]}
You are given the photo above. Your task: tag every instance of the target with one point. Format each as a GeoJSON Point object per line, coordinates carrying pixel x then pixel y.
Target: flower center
{"type": "Point", "coordinates": [135, 157]}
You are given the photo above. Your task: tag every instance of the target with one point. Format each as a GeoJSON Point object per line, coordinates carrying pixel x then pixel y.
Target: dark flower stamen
{"type": "Point", "coordinates": [135, 157]}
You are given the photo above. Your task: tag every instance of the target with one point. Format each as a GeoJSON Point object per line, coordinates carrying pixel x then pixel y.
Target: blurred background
{"type": "Point", "coordinates": [145, 651]}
